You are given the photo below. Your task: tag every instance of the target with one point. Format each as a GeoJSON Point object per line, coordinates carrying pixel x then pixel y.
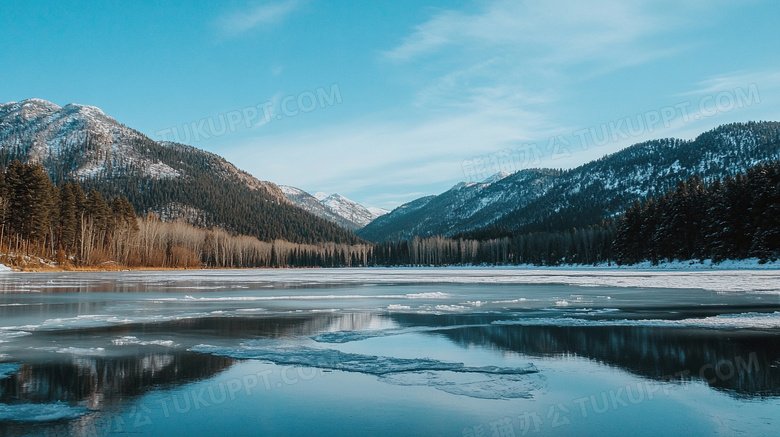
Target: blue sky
{"type": "Point", "coordinates": [387, 101]}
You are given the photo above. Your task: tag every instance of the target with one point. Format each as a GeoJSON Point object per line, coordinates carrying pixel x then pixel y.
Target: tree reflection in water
{"type": "Point", "coordinates": [742, 363]}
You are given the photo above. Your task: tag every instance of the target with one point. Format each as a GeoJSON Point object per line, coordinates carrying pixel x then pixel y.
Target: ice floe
{"type": "Point", "coordinates": [131, 340]}
{"type": "Point", "coordinates": [485, 382]}
{"type": "Point", "coordinates": [349, 362]}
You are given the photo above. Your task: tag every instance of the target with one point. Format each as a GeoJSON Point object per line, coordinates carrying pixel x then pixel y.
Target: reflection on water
{"type": "Point", "coordinates": [101, 353]}
{"type": "Point", "coordinates": [743, 364]}
{"type": "Point", "coordinates": [44, 390]}
{"type": "Point", "coordinates": [100, 382]}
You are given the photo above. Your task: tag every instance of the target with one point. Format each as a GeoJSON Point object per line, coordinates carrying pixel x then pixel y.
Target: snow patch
{"type": "Point", "coordinates": [131, 340]}
{"type": "Point", "coordinates": [496, 177]}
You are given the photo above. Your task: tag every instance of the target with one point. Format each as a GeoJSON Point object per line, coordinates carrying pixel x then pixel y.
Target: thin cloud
{"type": "Point", "coordinates": [494, 79]}
{"type": "Point", "coordinates": [519, 57]}
{"type": "Point", "coordinates": [560, 31]}
{"type": "Point", "coordinates": [391, 154]}
{"type": "Point", "coordinates": [264, 14]}
{"type": "Point", "coordinates": [741, 79]}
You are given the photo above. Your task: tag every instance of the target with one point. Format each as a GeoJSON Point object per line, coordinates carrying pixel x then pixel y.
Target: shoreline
{"type": "Point", "coordinates": [689, 265]}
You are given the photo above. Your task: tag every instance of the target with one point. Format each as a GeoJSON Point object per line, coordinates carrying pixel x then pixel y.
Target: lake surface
{"type": "Point", "coordinates": [452, 352]}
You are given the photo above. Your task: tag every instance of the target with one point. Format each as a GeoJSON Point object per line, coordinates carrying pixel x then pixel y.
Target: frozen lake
{"type": "Point", "coordinates": [453, 352]}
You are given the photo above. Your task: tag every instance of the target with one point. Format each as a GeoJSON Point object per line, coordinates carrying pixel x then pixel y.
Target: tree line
{"type": "Point", "coordinates": [734, 218]}
{"type": "Point", "coordinates": [730, 218]}
{"type": "Point", "coordinates": [208, 191]}
{"type": "Point", "coordinates": [499, 246]}
{"type": "Point", "coordinates": [39, 219]}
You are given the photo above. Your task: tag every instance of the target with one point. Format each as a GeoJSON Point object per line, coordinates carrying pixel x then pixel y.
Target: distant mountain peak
{"type": "Point", "coordinates": [334, 207]}
{"type": "Point", "coordinates": [336, 197]}
{"type": "Point", "coordinates": [378, 212]}
{"type": "Point", "coordinates": [496, 177]}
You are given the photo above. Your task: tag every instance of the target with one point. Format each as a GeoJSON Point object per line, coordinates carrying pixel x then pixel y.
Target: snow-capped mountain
{"type": "Point", "coordinates": [544, 199]}
{"type": "Point", "coordinates": [82, 138]}
{"type": "Point", "coordinates": [80, 142]}
{"type": "Point", "coordinates": [496, 177]}
{"type": "Point", "coordinates": [376, 211]}
{"type": "Point", "coordinates": [334, 207]}
{"type": "Point", "coordinates": [349, 209]}
{"type": "Point", "coordinates": [464, 206]}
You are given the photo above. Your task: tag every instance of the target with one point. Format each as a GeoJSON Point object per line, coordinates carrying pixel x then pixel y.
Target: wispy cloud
{"type": "Point", "coordinates": [740, 79]}
{"type": "Point", "coordinates": [493, 80]}
{"type": "Point", "coordinates": [365, 158]}
{"type": "Point", "coordinates": [264, 14]}
{"type": "Point", "coordinates": [493, 76]}
{"type": "Point", "coordinates": [555, 31]}
{"type": "Point", "coordinates": [526, 52]}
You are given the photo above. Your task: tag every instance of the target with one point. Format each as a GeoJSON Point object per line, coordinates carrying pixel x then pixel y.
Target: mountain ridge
{"type": "Point", "coordinates": [81, 142]}
{"type": "Point", "coordinates": [333, 207]}
{"type": "Point", "coordinates": [554, 200]}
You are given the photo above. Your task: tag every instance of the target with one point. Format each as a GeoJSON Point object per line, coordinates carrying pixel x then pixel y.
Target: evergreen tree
{"type": "Point", "coordinates": [67, 219]}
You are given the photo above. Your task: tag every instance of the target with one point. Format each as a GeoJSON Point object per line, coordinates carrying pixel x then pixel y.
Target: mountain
{"type": "Point", "coordinates": [376, 211]}
{"type": "Point", "coordinates": [464, 207]}
{"type": "Point", "coordinates": [334, 207]}
{"type": "Point", "coordinates": [79, 142]}
{"type": "Point", "coordinates": [553, 200]}
{"type": "Point", "coordinates": [350, 210]}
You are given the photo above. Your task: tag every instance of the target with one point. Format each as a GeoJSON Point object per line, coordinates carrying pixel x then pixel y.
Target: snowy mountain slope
{"type": "Point", "coordinates": [335, 207]}
{"type": "Point", "coordinates": [174, 180]}
{"type": "Point", "coordinates": [349, 209]}
{"type": "Point", "coordinates": [376, 211]}
{"type": "Point", "coordinates": [464, 206]}
{"type": "Point", "coordinates": [75, 140]}
{"type": "Point", "coordinates": [543, 199]}
{"type": "Point", "coordinates": [310, 203]}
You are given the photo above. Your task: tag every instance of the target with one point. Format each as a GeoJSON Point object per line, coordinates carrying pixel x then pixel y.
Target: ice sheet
{"type": "Point", "coordinates": [724, 321]}
{"type": "Point", "coordinates": [757, 277]}
{"type": "Point", "coordinates": [484, 386]}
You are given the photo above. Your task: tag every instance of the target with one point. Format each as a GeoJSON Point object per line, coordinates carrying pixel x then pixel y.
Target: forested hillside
{"type": "Point", "coordinates": [41, 224]}
{"type": "Point", "coordinates": [546, 200]}
{"type": "Point", "coordinates": [731, 218]}
{"type": "Point", "coordinates": [734, 218]}
{"type": "Point", "coordinates": [81, 143]}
